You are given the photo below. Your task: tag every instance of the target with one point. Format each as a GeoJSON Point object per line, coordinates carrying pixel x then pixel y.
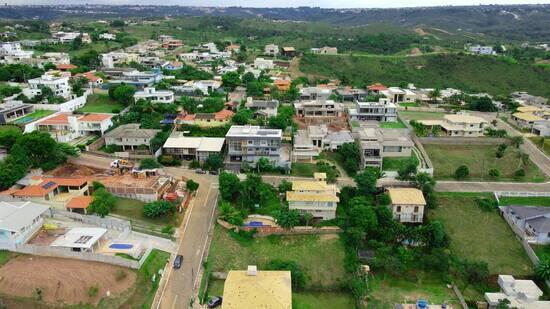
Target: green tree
{"type": "Point", "coordinates": [366, 181]}
{"type": "Point", "coordinates": [191, 185]}
{"type": "Point", "coordinates": [297, 273]}
{"type": "Point", "coordinates": [148, 163]}
{"type": "Point", "coordinates": [494, 173]}
{"type": "Point", "coordinates": [434, 94]}
{"type": "Point", "coordinates": [229, 185]}
{"type": "Point", "coordinates": [123, 93]}
{"type": "Point", "coordinates": [103, 202]}
{"type": "Point", "coordinates": [231, 80]}
{"type": "Point", "coordinates": [214, 162]}
{"type": "Point", "coordinates": [516, 141]}
{"type": "Point", "coordinates": [287, 218]}
{"type": "Point", "coordinates": [230, 214]}
{"type": "Point", "coordinates": [542, 269]}
{"type": "Point", "coordinates": [408, 169]}
{"type": "Point", "coordinates": [8, 136]}
{"type": "Point", "coordinates": [351, 157]}
{"type": "Point", "coordinates": [462, 172]}
{"type": "Point", "coordinates": [242, 117]}
{"type": "Point", "coordinates": [285, 186]}
{"type": "Point", "coordinates": [158, 208]}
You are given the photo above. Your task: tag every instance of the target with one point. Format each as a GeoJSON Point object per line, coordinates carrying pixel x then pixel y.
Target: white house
{"type": "Point", "coordinates": [263, 64]}
{"type": "Point", "coordinates": [205, 86]}
{"type": "Point", "coordinates": [11, 52]}
{"type": "Point", "coordinates": [107, 36]}
{"type": "Point", "coordinates": [523, 294]}
{"type": "Point", "coordinates": [57, 82]}
{"type": "Point", "coordinates": [326, 50]}
{"type": "Point", "coordinates": [19, 221]}
{"type": "Point", "coordinates": [532, 220]}
{"type": "Point", "coordinates": [193, 148]}
{"type": "Point", "coordinates": [155, 96]}
{"type": "Point", "coordinates": [481, 50]}
{"type": "Point", "coordinates": [383, 110]}
{"type": "Point", "coordinates": [65, 127]}
{"type": "Point", "coordinates": [271, 50]}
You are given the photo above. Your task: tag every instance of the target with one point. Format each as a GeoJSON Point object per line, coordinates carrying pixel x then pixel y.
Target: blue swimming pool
{"type": "Point", "coordinates": [121, 246]}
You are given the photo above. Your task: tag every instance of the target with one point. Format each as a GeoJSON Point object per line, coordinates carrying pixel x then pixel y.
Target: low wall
{"type": "Point", "coordinates": [298, 230]}
{"type": "Point", "coordinates": [68, 106]}
{"type": "Point", "coordinates": [100, 142]}
{"type": "Point", "coordinates": [108, 223]}
{"type": "Point", "coordinates": [463, 140]}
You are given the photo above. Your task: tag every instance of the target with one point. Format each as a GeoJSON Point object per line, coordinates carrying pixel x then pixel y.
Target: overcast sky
{"type": "Point", "coordinates": [286, 3]}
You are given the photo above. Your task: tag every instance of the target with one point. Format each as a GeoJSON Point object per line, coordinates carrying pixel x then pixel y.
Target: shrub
{"type": "Point", "coordinates": [168, 229]}
{"type": "Point", "coordinates": [120, 275]}
{"type": "Point", "coordinates": [462, 172]}
{"type": "Point", "coordinates": [486, 204]}
{"type": "Point", "coordinates": [169, 160]}
{"type": "Point", "coordinates": [519, 173]}
{"type": "Point", "coordinates": [494, 173]}
{"type": "Point", "coordinates": [195, 164]}
{"type": "Point", "coordinates": [298, 275]}
{"type": "Point", "coordinates": [149, 163]}
{"type": "Point", "coordinates": [384, 199]}
{"type": "Point", "coordinates": [191, 185]}
{"type": "Point", "coordinates": [116, 111]}
{"type": "Point", "coordinates": [157, 209]}
{"type": "Point", "coordinates": [92, 291]}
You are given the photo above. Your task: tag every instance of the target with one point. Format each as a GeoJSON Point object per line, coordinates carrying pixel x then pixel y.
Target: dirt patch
{"type": "Point", "coordinates": [420, 31]}
{"type": "Point", "coordinates": [69, 169]}
{"type": "Point", "coordinates": [416, 52]}
{"type": "Point", "coordinates": [62, 280]}
{"type": "Point", "coordinates": [327, 237]}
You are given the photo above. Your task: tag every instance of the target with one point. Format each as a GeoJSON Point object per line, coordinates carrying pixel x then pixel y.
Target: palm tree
{"type": "Point", "coordinates": [542, 270]}
{"type": "Point", "coordinates": [308, 217]}
{"type": "Point", "coordinates": [434, 94]}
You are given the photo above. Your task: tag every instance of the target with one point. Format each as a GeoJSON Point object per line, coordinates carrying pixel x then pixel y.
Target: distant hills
{"type": "Point", "coordinates": [507, 22]}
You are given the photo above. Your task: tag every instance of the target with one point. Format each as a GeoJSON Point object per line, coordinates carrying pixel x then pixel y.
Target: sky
{"type": "Point", "coordinates": [287, 3]}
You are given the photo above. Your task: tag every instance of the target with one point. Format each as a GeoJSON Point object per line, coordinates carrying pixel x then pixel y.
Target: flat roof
{"type": "Point", "coordinates": [266, 289]}
{"type": "Point", "coordinates": [79, 237]}
{"type": "Point", "coordinates": [246, 131]}
{"type": "Point", "coordinates": [16, 215]}
{"type": "Point", "coordinates": [406, 196]}
{"type": "Point", "coordinates": [463, 118]}
{"type": "Point", "coordinates": [211, 144]}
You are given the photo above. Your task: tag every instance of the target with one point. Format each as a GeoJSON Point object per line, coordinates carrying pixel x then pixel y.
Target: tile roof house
{"type": "Point", "coordinates": [532, 221]}
{"type": "Point", "coordinates": [79, 204]}
{"type": "Point", "coordinates": [65, 127]}
{"type": "Point", "coordinates": [253, 289]}
{"type": "Point", "coordinates": [45, 188]}
{"type": "Point", "coordinates": [206, 119]}
{"type": "Point", "coordinates": [526, 119]}
{"type": "Point", "coordinates": [407, 204]}
{"type": "Point", "coordinates": [19, 221]}
{"type": "Point", "coordinates": [315, 197]}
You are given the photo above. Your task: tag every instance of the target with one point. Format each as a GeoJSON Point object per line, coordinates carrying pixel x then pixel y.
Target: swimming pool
{"type": "Point", "coordinates": [121, 246]}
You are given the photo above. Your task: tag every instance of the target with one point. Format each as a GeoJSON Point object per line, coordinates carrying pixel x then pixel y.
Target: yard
{"type": "Point", "coordinates": [392, 125]}
{"type": "Point", "coordinates": [414, 115]}
{"type": "Point", "coordinates": [538, 142]}
{"type": "Point", "coordinates": [37, 114]}
{"type": "Point", "coordinates": [393, 164]}
{"type": "Point", "coordinates": [527, 201]}
{"type": "Point", "coordinates": [101, 103]}
{"type": "Point", "coordinates": [133, 210]}
{"type": "Point", "coordinates": [409, 104]}
{"type": "Point", "coordinates": [479, 235]}
{"type": "Point", "coordinates": [480, 159]}
{"type": "Point", "coordinates": [300, 169]}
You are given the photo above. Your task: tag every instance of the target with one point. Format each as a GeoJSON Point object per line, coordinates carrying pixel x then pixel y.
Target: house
{"type": "Point", "coordinates": [523, 294]}
{"type": "Point", "coordinates": [533, 221]}
{"type": "Point", "coordinates": [325, 50]}
{"type": "Point", "coordinates": [233, 48]}
{"type": "Point", "coordinates": [250, 143]}
{"type": "Point", "coordinates": [282, 85]}
{"type": "Point", "coordinates": [19, 221]}
{"type": "Point", "coordinates": [407, 204]}
{"type": "Point", "coordinates": [271, 50]}
{"type": "Point", "coordinates": [65, 127]}
{"type": "Point", "coordinates": [308, 143]}
{"type": "Point", "coordinates": [65, 67]}
{"type": "Point", "coordinates": [58, 83]}
{"type": "Point", "coordinates": [68, 37]}
{"type": "Point", "coordinates": [526, 120]}
{"type": "Point", "coordinates": [398, 95]}
{"type": "Point", "coordinates": [139, 79]}
{"type": "Point", "coordinates": [541, 129]}
{"type": "Point", "coordinates": [383, 111]}
{"type": "Point", "coordinates": [264, 108]}
{"type": "Point", "coordinates": [14, 110]}
{"type": "Point", "coordinates": [107, 36]}
{"type": "Point", "coordinates": [42, 188]}
{"type": "Point", "coordinates": [205, 86]}
{"type": "Point", "coordinates": [526, 99]}
{"type": "Point", "coordinates": [206, 119]}
{"type": "Point", "coordinates": [155, 96]}
{"type": "Point", "coordinates": [193, 148]}
{"type": "Point", "coordinates": [172, 44]}
{"type": "Point", "coordinates": [263, 64]}
{"type": "Point", "coordinates": [481, 50]}
{"type": "Point", "coordinates": [376, 88]}
{"type": "Point", "coordinates": [315, 93]}
{"type": "Point", "coordinates": [112, 59]}
{"type": "Point", "coordinates": [257, 289]}
{"type": "Point", "coordinates": [461, 124]}
{"type": "Point", "coordinates": [79, 204]}
{"type": "Point", "coordinates": [315, 197]}
{"type": "Point", "coordinates": [11, 52]}
{"type": "Point", "coordinates": [377, 143]}
{"type": "Point", "coordinates": [94, 124]}
{"type": "Point", "coordinates": [130, 137]}
{"type": "Point", "coordinates": [351, 94]}
{"type": "Point", "coordinates": [81, 239]}
{"type": "Point", "coordinates": [173, 66]}
{"type": "Point", "coordinates": [319, 109]}
{"type": "Point", "coordinates": [288, 51]}
{"type": "Point", "coordinates": [94, 81]}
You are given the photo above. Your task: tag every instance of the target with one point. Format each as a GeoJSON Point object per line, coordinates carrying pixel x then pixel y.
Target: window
{"type": "Point", "coordinates": [398, 209]}
{"type": "Point", "coordinates": [415, 208]}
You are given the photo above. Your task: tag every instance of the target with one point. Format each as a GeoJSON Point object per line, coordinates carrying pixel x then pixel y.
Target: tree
{"type": "Point", "coordinates": [494, 173]}
{"type": "Point", "coordinates": [351, 156]}
{"type": "Point", "coordinates": [408, 169]}
{"type": "Point", "coordinates": [191, 185]}
{"type": "Point", "coordinates": [231, 80]}
{"type": "Point", "coordinates": [103, 202]}
{"type": "Point", "coordinates": [158, 208]}
{"type": "Point", "coordinates": [229, 185]}
{"type": "Point", "coordinates": [366, 181]}
{"type": "Point", "coordinates": [254, 89]}
{"type": "Point", "coordinates": [123, 94]}
{"type": "Point", "coordinates": [462, 172]}
{"type": "Point", "coordinates": [8, 136]}
{"type": "Point", "coordinates": [285, 186]}
{"type": "Point", "coordinates": [482, 104]}
{"type": "Point", "coordinates": [230, 214]}
{"type": "Point", "coordinates": [248, 77]}
{"type": "Point", "coordinates": [307, 218]}
{"type": "Point", "coordinates": [516, 141]}
{"type": "Point", "coordinates": [242, 117]}
{"type": "Point", "coordinates": [148, 163]}
{"type": "Point", "coordinates": [434, 94]}
{"type": "Point", "coordinates": [214, 162]}
{"type": "Point", "coordinates": [287, 218]}
{"type": "Point", "coordinates": [542, 270]}
{"type": "Point", "coordinates": [117, 23]}
{"type": "Point", "coordinates": [296, 272]}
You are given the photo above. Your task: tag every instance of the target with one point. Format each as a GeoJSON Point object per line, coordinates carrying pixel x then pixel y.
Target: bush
{"type": "Point", "coordinates": [92, 291]}
{"type": "Point", "coordinates": [169, 160]}
{"type": "Point", "coordinates": [462, 172]}
{"type": "Point", "coordinates": [149, 163]}
{"type": "Point", "coordinates": [120, 275]}
{"type": "Point", "coordinates": [191, 185]}
{"type": "Point", "coordinates": [298, 275]}
{"type": "Point", "coordinates": [168, 229]}
{"type": "Point", "coordinates": [112, 148]}
{"type": "Point", "coordinates": [494, 173]}
{"type": "Point", "coordinates": [195, 164]}
{"type": "Point", "coordinates": [486, 204]}
{"type": "Point", "coordinates": [157, 209]}
{"type": "Point", "coordinates": [519, 173]}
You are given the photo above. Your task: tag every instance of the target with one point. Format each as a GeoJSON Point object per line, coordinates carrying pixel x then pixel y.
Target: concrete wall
{"type": "Point", "coordinates": [68, 106]}
{"type": "Point", "coordinates": [108, 223]}
{"type": "Point", "coordinates": [463, 140]}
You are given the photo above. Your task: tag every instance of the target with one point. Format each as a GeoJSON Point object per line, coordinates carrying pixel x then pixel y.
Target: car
{"type": "Point", "coordinates": [215, 301]}
{"type": "Point", "coordinates": [178, 261]}
{"type": "Point", "coordinates": [199, 171]}
{"type": "Point", "coordinates": [214, 173]}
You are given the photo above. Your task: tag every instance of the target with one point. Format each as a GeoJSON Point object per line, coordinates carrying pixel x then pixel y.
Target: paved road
{"type": "Point", "coordinates": [194, 235]}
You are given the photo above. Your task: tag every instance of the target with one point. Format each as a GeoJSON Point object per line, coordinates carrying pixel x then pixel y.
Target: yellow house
{"type": "Point", "coordinates": [315, 197]}
{"type": "Point", "coordinates": [252, 289]}
{"type": "Point", "coordinates": [526, 120]}
{"type": "Point", "coordinates": [407, 204]}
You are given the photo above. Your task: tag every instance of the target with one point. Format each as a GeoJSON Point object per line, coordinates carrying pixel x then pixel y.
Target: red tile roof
{"type": "Point", "coordinates": [67, 181]}
{"type": "Point", "coordinates": [36, 190]}
{"type": "Point", "coordinates": [79, 202]}
{"type": "Point", "coordinates": [377, 86]}
{"type": "Point", "coordinates": [62, 118]}
{"type": "Point", "coordinates": [66, 66]}
{"type": "Point", "coordinates": [223, 114]}
{"type": "Point", "coordinates": [95, 117]}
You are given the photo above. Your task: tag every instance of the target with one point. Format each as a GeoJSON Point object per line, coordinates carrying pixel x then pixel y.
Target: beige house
{"type": "Point", "coordinates": [407, 204]}
{"type": "Point", "coordinates": [526, 120]}
{"type": "Point", "coordinates": [253, 289]}
{"type": "Point", "coordinates": [315, 197]}
{"type": "Point", "coordinates": [462, 124]}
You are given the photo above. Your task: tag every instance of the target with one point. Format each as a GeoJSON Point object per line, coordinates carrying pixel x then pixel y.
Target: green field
{"type": "Point", "coordinates": [393, 125]}
{"type": "Point", "coordinates": [394, 163]}
{"type": "Point", "coordinates": [409, 104]}
{"type": "Point", "coordinates": [469, 73]}
{"type": "Point", "coordinates": [133, 210]}
{"type": "Point", "coordinates": [479, 235]}
{"type": "Point", "coordinates": [528, 201]}
{"type": "Point", "coordinates": [413, 115]}
{"type": "Point", "coordinates": [480, 159]}
{"type": "Point", "coordinates": [303, 169]}
{"type": "Point", "coordinates": [100, 103]}
{"type": "Point", "coordinates": [321, 257]}
{"type": "Point", "coordinates": [538, 142]}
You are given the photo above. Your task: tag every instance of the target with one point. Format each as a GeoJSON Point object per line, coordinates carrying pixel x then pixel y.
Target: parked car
{"type": "Point", "coordinates": [199, 171]}
{"type": "Point", "coordinates": [178, 261]}
{"type": "Point", "coordinates": [214, 172]}
{"type": "Point", "coordinates": [215, 302]}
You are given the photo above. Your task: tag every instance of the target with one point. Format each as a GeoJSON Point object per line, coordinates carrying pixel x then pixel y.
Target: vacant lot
{"type": "Point", "coordinates": [479, 235]}
{"type": "Point", "coordinates": [393, 164]}
{"type": "Point", "coordinates": [133, 210]}
{"type": "Point", "coordinates": [62, 280]}
{"type": "Point", "coordinates": [480, 159]}
{"type": "Point", "coordinates": [101, 103]}
{"type": "Point", "coordinates": [321, 257]}
{"type": "Point", "coordinates": [538, 141]}
{"type": "Point", "coordinates": [412, 115]}
{"type": "Point", "coordinates": [527, 201]}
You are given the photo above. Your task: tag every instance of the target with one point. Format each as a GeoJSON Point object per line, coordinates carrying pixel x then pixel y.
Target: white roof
{"type": "Point", "coordinates": [248, 130]}
{"type": "Point", "coordinates": [16, 215]}
{"type": "Point", "coordinates": [211, 144]}
{"type": "Point", "coordinates": [79, 237]}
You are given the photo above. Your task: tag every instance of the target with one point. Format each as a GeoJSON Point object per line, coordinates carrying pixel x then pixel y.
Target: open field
{"type": "Point", "coordinates": [101, 103]}
{"type": "Point", "coordinates": [62, 280]}
{"type": "Point", "coordinates": [480, 159]}
{"type": "Point", "coordinates": [479, 235]}
{"type": "Point", "coordinates": [321, 257]}
{"type": "Point", "coordinates": [528, 201]}
{"type": "Point", "coordinates": [133, 210]}
{"type": "Point", "coordinates": [409, 104]}
{"type": "Point", "coordinates": [413, 115]}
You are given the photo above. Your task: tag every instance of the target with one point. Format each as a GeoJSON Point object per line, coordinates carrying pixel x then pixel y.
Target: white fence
{"type": "Point", "coordinates": [68, 106]}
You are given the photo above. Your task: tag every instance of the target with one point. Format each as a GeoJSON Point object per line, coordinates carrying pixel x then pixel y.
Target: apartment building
{"type": "Point", "coordinates": [130, 137]}
{"type": "Point", "coordinates": [57, 82]}
{"type": "Point", "coordinates": [155, 96]}
{"type": "Point", "coordinates": [250, 143]}
{"type": "Point", "coordinates": [407, 204]}
{"type": "Point", "coordinates": [192, 148]}
{"type": "Point", "coordinates": [461, 124]}
{"type": "Point", "coordinates": [383, 110]}
{"type": "Point", "coordinates": [377, 143]}
{"type": "Point", "coordinates": [319, 109]}
{"type": "Point", "coordinates": [308, 143]}
{"type": "Point", "coordinates": [315, 197]}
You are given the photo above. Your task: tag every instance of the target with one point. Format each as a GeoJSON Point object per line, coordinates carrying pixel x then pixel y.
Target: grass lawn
{"type": "Point", "coordinates": [537, 141]}
{"type": "Point", "coordinates": [321, 257]}
{"type": "Point", "coordinates": [5, 256]}
{"type": "Point", "coordinates": [527, 201]}
{"type": "Point", "coordinates": [413, 115]}
{"type": "Point", "coordinates": [303, 169]}
{"type": "Point", "coordinates": [480, 159]}
{"type": "Point", "coordinates": [37, 114]}
{"type": "Point", "coordinates": [388, 290]}
{"type": "Point", "coordinates": [542, 251]}
{"type": "Point", "coordinates": [479, 235]}
{"type": "Point", "coordinates": [409, 104]}
{"type": "Point", "coordinates": [393, 164]}
{"type": "Point", "coordinates": [393, 125]}
{"type": "Point", "coordinates": [100, 103]}
{"type": "Point", "coordinates": [335, 158]}
{"type": "Point", "coordinates": [133, 210]}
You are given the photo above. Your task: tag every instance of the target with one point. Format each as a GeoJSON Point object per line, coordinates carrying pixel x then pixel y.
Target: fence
{"type": "Point", "coordinates": [460, 297]}
{"type": "Point", "coordinates": [68, 106]}
{"type": "Point", "coordinates": [463, 140]}
{"type": "Point", "coordinates": [275, 230]}
{"type": "Point", "coordinates": [108, 223]}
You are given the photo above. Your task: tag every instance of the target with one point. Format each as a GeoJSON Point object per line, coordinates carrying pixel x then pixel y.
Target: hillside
{"type": "Point", "coordinates": [470, 73]}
